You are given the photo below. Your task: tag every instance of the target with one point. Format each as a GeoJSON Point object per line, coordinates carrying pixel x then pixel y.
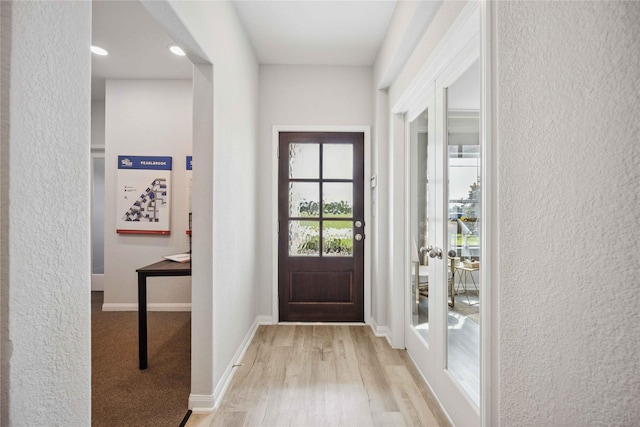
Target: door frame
{"type": "Point", "coordinates": [474, 21]}
{"type": "Point", "coordinates": [275, 131]}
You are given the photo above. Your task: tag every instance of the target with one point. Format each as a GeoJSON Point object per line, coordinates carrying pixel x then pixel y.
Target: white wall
{"type": "Point", "coordinates": [568, 173]}
{"type": "Point", "coordinates": [97, 122]}
{"type": "Point", "coordinates": [301, 95]}
{"type": "Point", "coordinates": [146, 118]}
{"type": "Point", "coordinates": [97, 194]}
{"type": "Point", "coordinates": [45, 252]}
{"type": "Point", "coordinates": [225, 284]}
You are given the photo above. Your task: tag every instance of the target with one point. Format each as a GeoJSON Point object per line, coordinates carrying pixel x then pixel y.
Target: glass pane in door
{"type": "Point", "coordinates": [304, 199]}
{"type": "Point", "coordinates": [463, 195]}
{"type": "Point", "coordinates": [419, 220]}
{"type": "Point", "coordinates": [337, 238]}
{"type": "Point", "coordinates": [337, 199]}
{"type": "Point", "coordinates": [304, 160]}
{"type": "Point", "coordinates": [304, 238]}
{"type": "Point", "coordinates": [337, 161]}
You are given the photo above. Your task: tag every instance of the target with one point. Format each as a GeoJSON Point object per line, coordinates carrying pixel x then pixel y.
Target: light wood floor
{"type": "Point", "coordinates": [324, 375]}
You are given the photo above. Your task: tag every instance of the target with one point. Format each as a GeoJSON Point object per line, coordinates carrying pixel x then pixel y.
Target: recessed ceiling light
{"type": "Point", "coordinates": [176, 50]}
{"type": "Point", "coordinates": [99, 51]}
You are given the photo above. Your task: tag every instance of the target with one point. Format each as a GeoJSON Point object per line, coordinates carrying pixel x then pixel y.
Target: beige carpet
{"type": "Point", "coordinates": [122, 395]}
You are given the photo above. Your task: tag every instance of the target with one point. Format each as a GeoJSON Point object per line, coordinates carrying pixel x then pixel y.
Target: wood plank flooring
{"type": "Point", "coordinates": [324, 375]}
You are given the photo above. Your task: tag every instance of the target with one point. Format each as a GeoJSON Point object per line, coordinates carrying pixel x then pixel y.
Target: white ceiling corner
{"type": "Point", "coordinates": [316, 32]}
{"type": "Point", "coordinates": [301, 32]}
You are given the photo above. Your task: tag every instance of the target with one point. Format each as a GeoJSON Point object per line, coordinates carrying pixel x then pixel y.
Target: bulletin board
{"type": "Point", "coordinates": [144, 195]}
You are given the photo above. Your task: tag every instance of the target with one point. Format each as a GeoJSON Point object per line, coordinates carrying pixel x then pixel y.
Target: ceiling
{"type": "Point", "coordinates": [316, 32]}
{"type": "Point", "coordinates": [137, 45]}
{"type": "Point", "coordinates": [312, 32]}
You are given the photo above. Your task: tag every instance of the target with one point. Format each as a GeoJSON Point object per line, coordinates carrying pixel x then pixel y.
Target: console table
{"type": "Point", "coordinates": [158, 269]}
{"type": "Point", "coordinates": [464, 273]}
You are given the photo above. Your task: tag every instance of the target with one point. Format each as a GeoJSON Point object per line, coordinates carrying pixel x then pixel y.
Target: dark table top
{"type": "Point", "coordinates": [166, 267]}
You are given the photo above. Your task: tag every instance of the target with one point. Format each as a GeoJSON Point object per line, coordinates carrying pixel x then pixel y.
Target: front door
{"type": "Point", "coordinates": [321, 226]}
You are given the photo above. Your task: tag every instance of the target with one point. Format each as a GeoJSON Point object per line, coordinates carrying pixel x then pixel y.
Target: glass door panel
{"type": "Point", "coordinates": [463, 230]}
{"type": "Point", "coordinates": [337, 238]}
{"type": "Point", "coordinates": [304, 161]}
{"type": "Point", "coordinates": [337, 161]}
{"type": "Point", "coordinates": [337, 200]}
{"type": "Point", "coordinates": [304, 200]}
{"type": "Point", "coordinates": [419, 221]}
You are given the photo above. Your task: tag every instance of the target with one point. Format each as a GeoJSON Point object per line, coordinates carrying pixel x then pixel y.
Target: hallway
{"type": "Point", "coordinates": [324, 375]}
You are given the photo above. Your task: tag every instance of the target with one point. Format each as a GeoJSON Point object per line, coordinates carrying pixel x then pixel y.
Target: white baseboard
{"type": "Point", "coordinates": [97, 282]}
{"type": "Point", "coordinates": [380, 331]}
{"type": "Point", "coordinates": [152, 306]}
{"type": "Point", "coordinates": [203, 404]}
{"type": "Point", "coordinates": [433, 393]}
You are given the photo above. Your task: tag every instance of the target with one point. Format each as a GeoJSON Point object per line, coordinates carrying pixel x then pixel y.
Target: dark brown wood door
{"type": "Point", "coordinates": [321, 227]}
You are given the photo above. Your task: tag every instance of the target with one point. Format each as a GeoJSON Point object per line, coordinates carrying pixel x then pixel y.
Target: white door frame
{"type": "Point", "coordinates": [472, 22]}
{"type": "Point", "coordinates": [276, 129]}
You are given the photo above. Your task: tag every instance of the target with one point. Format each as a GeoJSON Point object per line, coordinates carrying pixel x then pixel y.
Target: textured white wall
{"type": "Point", "coordinates": [234, 192]}
{"type": "Point", "coordinates": [46, 315]}
{"type": "Point", "coordinates": [568, 79]}
{"type": "Point", "coordinates": [301, 95]}
{"type": "Point", "coordinates": [146, 118]}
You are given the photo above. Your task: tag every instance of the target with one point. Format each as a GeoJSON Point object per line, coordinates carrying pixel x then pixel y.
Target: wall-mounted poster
{"type": "Point", "coordinates": [144, 195]}
{"type": "Point", "coordinates": [189, 178]}
{"type": "Point", "coordinates": [189, 190]}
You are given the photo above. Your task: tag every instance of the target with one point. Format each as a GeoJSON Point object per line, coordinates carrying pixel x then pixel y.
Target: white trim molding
{"type": "Point", "coordinates": [489, 347]}
{"type": "Point", "coordinates": [201, 403]}
{"type": "Point", "coordinates": [380, 331]}
{"type": "Point", "coordinates": [97, 282]}
{"type": "Point", "coordinates": [467, 40]}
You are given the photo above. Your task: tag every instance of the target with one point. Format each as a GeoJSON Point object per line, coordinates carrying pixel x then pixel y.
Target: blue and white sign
{"type": "Point", "coordinates": [189, 179]}
{"type": "Point", "coordinates": [144, 195]}
{"type": "Point", "coordinates": [144, 162]}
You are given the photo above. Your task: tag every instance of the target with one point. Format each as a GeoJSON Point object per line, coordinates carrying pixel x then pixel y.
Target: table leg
{"type": "Point", "coordinates": [142, 320]}
{"type": "Point", "coordinates": [452, 286]}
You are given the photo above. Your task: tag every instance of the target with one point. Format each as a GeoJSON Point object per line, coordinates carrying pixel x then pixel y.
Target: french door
{"type": "Point", "coordinates": [321, 226]}
{"type": "Point", "coordinates": [444, 194]}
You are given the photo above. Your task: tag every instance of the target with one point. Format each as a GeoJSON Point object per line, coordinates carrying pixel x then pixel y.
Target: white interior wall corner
{"type": "Point", "coordinates": [568, 175]}
{"type": "Point", "coordinates": [48, 381]}
{"type": "Point", "coordinates": [380, 167]}
{"type": "Point", "coordinates": [202, 291]}
{"type": "Point", "coordinates": [215, 28]}
{"type": "Point", "coordinates": [146, 118]}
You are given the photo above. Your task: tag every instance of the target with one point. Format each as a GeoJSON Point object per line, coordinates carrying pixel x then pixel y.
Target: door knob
{"type": "Point", "coordinates": [359, 237]}
{"type": "Point", "coordinates": [435, 252]}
